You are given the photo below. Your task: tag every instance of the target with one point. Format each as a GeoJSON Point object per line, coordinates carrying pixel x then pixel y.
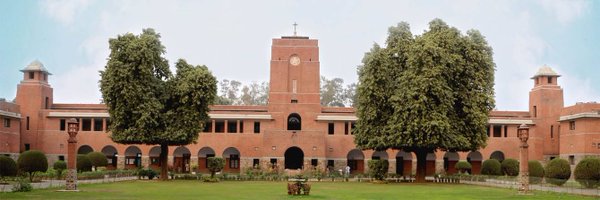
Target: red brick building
{"type": "Point", "coordinates": [293, 130]}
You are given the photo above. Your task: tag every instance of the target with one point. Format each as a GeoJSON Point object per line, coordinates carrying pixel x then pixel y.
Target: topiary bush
{"type": "Point", "coordinates": [8, 167]}
{"type": "Point", "coordinates": [378, 169]}
{"type": "Point", "coordinates": [31, 162]}
{"type": "Point", "coordinates": [84, 164]}
{"type": "Point", "coordinates": [558, 171]}
{"type": "Point", "coordinates": [491, 167]}
{"type": "Point", "coordinates": [462, 166]}
{"type": "Point", "coordinates": [510, 167]}
{"type": "Point", "coordinates": [59, 166]}
{"type": "Point", "coordinates": [98, 159]}
{"type": "Point", "coordinates": [215, 164]}
{"type": "Point", "coordinates": [587, 172]}
{"type": "Point", "coordinates": [536, 172]}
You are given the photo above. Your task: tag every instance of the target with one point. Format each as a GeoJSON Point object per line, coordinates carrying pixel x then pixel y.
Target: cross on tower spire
{"type": "Point", "coordinates": [295, 25]}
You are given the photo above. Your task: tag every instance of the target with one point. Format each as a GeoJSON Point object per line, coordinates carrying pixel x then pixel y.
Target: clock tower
{"type": "Point", "coordinates": [294, 71]}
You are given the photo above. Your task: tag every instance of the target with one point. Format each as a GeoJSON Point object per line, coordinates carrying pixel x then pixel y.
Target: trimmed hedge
{"type": "Point", "coordinates": [378, 168]}
{"type": "Point", "coordinates": [587, 172]}
{"type": "Point", "coordinates": [98, 159]}
{"type": "Point", "coordinates": [8, 167]}
{"type": "Point", "coordinates": [558, 171]}
{"type": "Point", "coordinates": [31, 162]}
{"type": "Point", "coordinates": [215, 164]}
{"type": "Point", "coordinates": [462, 166]}
{"type": "Point", "coordinates": [84, 164]}
{"type": "Point", "coordinates": [510, 167]}
{"type": "Point", "coordinates": [491, 167]}
{"type": "Point", "coordinates": [536, 172]}
{"type": "Point", "coordinates": [59, 166]}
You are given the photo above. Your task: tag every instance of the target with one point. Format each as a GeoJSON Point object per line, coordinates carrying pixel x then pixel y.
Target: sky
{"type": "Point", "coordinates": [233, 38]}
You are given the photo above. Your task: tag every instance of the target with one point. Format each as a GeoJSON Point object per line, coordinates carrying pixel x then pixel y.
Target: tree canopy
{"type": "Point", "coordinates": [146, 102]}
{"type": "Point", "coordinates": [428, 92]}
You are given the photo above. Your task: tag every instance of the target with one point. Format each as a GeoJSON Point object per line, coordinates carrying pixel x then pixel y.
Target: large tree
{"type": "Point", "coordinates": [426, 93]}
{"type": "Point", "coordinates": [146, 102]}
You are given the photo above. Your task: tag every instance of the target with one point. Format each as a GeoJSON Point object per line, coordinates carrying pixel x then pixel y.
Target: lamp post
{"type": "Point", "coordinates": [523, 134]}
{"type": "Point", "coordinates": [71, 179]}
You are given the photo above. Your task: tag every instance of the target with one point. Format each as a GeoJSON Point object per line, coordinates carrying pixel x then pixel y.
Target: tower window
{"type": "Point", "coordinates": [294, 122]}
{"type": "Point", "coordinates": [534, 111]}
{"type": "Point", "coordinates": [551, 131]}
{"type": "Point", "coordinates": [549, 80]}
{"type": "Point", "coordinates": [47, 105]}
{"type": "Point", "coordinates": [294, 86]}
{"type": "Point", "coordinates": [241, 126]}
{"type": "Point", "coordinates": [31, 75]}
{"type": "Point", "coordinates": [27, 123]}
{"type": "Point", "coordinates": [331, 128]}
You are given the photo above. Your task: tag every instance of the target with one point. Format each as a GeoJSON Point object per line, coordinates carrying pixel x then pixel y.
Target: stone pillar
{"type": "Point", "coordinates": [523, 132]}
{"type": "Point", "coordinates": [71, 179]}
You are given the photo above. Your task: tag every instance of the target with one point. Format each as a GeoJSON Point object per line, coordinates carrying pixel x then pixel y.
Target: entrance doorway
{"type": "Point", "coordinates": [294, 158]}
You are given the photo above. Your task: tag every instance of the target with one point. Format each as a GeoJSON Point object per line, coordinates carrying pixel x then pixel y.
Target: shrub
{"type": "Point", "coordinates": [8, 167]}
{"type": "Point", "coordinates": [558, 171]}
{"type": "Point", "coordinates": [84, 164]}
{"type": "Point", "coordinates": [59, 166]}
{"type": "Point", "coordinates": [378, 168]}
{"type": "Point", "coordinates": [462, 166]}
{"type": "Point", "coordinates": [587, 172]}
{"type": "Point", "coordinates": [491, 167]}
{"type": "Point", "coordinates": [98, 159]}
{"type": "Point", "coordinates": [215, 164]}
{"type": "Point", "coordinates": [536, 172]}
{"type": "Point", "coordinates": [510, 167]}
{"type": "Point", "coordinates": [31, 162]}
{"type": "Point", "coordinates": [22, 186]}
{"type": "Point", "coordinates": [151, 174]}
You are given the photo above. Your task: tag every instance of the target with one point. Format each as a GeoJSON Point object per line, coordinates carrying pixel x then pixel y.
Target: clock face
{"type": "Point", "coordinates": [295, 60]}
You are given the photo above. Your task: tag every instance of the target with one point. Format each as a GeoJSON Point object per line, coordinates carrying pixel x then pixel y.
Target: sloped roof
{"type": "Point", "coordinates": [36, 65]}
{"type": "Point", "coordinates": [545, 71]}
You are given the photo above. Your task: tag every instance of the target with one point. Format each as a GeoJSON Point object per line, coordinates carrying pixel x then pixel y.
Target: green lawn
{"type": "Point", "coordinates": [277, 190]}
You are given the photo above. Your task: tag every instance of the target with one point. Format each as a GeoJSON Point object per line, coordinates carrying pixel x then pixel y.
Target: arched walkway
{"type": "Point", "coordinates": [232, 160]}
{"type": "Point", "coordinates": [404, 163]}
{"type": "Point", "coordinates": [498, 155]}
{"type": "Point", "coordinates": [294, 122]}
{"type": "Point", "coordinates": [450, 159]}
{"type": "Point", "coordinates": [154, 155]}
{"type": "Point", "coordinates": [430, 164]}
{"type": "Point", "coordinates": [379, 155]}
{"type": "Point", "coordinates": [84, 149]}
{"type": "Point", "coordinates": [294, 158]}
{"type": "Point", "coordinates": [475, 158]}
{"type": "Point", "coordinates": [133, 157]}
{"type": "Point", "coordinates": [181, 159]}
{"type": "Point", "coordinates": [203, 154]}
{"type": "Point", "coordinates": [111, 156]}
{"type": "Point", "coordinates": [356, 161]}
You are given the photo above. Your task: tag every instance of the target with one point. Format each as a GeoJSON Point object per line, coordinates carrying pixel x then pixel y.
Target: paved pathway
{"type": "Point", "coordinates": [515, 185]}
{"type": "Point", "coordinates": [61, 183]}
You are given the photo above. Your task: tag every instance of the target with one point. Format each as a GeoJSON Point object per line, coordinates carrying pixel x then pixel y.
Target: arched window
{"type": "Point", "coordinates": [294, 122]}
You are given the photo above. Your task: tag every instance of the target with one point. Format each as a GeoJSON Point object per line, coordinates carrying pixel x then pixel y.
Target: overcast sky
{"type": "Point", "coordinates": [233, 38]}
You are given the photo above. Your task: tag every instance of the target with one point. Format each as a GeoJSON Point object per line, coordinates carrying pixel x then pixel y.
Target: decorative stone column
{"type": "Point", "coordinates": [523, 132]}
{"type": "Point", "coordinates": [71, 179]}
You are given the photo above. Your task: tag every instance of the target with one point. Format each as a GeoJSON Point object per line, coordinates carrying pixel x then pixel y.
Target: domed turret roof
{"type": "Point", "coordinates": [545, 71]}
{"type": "Point", "coordinates": [35, 66]}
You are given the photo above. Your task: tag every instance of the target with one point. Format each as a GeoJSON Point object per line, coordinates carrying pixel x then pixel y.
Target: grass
{"type": "Point", "coordinates": [277, 190]}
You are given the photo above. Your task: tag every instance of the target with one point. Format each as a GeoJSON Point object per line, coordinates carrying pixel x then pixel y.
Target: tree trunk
{"type": "Point", "coordinates": [421, 165]}
{"type": "Point", "coordinates": [164, 165]}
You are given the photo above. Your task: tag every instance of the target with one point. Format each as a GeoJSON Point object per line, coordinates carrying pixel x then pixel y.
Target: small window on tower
{"type": "Point", "coordinates": [63, 124]}
{"type": "Point", "coordinates": [572, 125]}
{"type": "Point", "coordinates": [330, 129]}
{"type": "Point", "coordinates": [549, 80]}
{"type": "Point", "coordinates": [6, 122]}
{"type": "Point", "coordinates": [31, 75]}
